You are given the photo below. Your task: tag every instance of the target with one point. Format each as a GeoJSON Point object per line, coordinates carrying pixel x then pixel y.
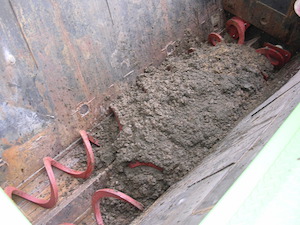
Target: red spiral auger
{"type": "Point", "coordinates": [137, 164]}
{"type": "Point", "coordinates": [49, 162]}
{"type": "Point", "coordinates": [102, 193]}
{"type": "Point", "coordinates": [215, 38]}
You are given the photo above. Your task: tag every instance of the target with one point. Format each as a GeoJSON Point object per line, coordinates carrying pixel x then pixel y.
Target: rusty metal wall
{"type": "Point", "coordinates": [61, 62]}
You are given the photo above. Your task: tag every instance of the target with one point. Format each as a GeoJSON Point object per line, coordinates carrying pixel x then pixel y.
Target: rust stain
{"type": "Point", "coordinates": [59, 96]}
{"type": "Point", "coordinates": [23, 34]}
{"type": "Point", "coordinates": [70, 46]}
{"type": "Point", "coordinates": [16, 166]}
{"type": "Point", "coordinates": [5, 141]}
{"type": "Point", "coordinates": [11, 143]}
{"type": "Point", "coordinates": [88, 104]}
{"type": "Point", "coordinates": [86, 47]}
{"type": "Point", "coordinates": [20, 158]}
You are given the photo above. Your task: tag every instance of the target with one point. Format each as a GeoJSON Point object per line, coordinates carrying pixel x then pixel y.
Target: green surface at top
{"type": "Point", "coordinates": [268, 191]}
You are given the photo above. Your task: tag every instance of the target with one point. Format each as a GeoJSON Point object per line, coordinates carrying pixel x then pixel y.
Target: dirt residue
{"type": "Point", "coordinates": [174, 116]}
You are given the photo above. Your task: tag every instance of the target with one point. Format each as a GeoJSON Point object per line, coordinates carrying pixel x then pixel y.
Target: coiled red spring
{"type": "Point", "coordinates": [49, 162]}
{"type": "Point", "coordinates": [102, 193]}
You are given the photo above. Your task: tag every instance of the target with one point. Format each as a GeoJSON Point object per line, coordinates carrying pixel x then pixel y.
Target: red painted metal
{"type": "Point", "coordinates": [285, 53]}
{"type": "Point", "coordinates": [49, 162]}
{"type": "Point", "coordinates": [236, 28]}
{"type": "Point", "coordinates": [276, 55]}
{"type": "Point", "coordinates": [137, 163]}
{"type": "Point", "coordinates": [273, 56]}
{"type": "Point", "coordinates": [265, 75]}
{"type": "Point", "coordinates": [93, 140]}
{"type": "Point", "coordinates": [102, 193]}
{"type": "Point", "coordinates": [214, 38]}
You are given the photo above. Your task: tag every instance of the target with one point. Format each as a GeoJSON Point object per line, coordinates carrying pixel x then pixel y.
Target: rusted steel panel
{"type": "Point", "coordinates": [276, 18]}
{"type": "Point", "coordinates": [62, 61]}
{"type": "Point", "coordinates": [23, 109]}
